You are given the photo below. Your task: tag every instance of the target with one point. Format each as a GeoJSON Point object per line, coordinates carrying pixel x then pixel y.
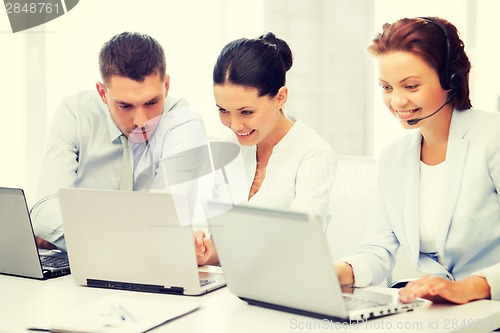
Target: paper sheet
{"type": "Point", "coordinates": [119, 314]}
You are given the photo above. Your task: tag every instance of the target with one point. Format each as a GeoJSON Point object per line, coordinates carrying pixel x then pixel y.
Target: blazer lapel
{"type": "Point", "coordinates": [411, 183]}
{"type": "Point", "coordinates": [458, 144]}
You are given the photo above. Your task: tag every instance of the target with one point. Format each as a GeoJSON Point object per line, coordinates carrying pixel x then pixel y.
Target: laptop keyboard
{"type": "Point", "coordinates": [355, 303]}
{"type": "Point", "coordinates": [54, 261]}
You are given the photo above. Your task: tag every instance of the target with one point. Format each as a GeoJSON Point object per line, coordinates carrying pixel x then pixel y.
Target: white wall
{"type": "Point", "coordinates": [13, 135]}
{"type": "Point", "coordinates": [485, 54]}
{"type": "Point", "coordinates": [330, 77]}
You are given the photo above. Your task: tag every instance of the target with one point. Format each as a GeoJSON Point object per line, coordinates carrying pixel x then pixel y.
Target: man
{"type": "Point", "coordinates": [86, 139]}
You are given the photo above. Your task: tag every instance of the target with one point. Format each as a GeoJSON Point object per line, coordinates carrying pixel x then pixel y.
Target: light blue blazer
{"type": "Point", "coordinates": [468, 239]}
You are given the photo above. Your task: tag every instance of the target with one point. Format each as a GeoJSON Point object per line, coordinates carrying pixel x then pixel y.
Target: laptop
{"type": "Point", "coordinates": [280, 260]}
{"type": "Point", "coordinates": [132, 241]}
{"type": "Point", "coordinates": [19, 254]}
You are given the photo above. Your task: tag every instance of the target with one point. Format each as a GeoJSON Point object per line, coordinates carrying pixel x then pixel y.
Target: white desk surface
{"type": "Point", "coordinates": [24, 302]}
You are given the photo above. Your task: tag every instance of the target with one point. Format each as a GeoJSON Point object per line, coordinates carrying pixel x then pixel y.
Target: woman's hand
{"type": "Point", "coordinates": [205, 250]}
{"type": "Point", "coordinates": [440, 290]}
{"type": "Point", "coordinates": [344, 272]}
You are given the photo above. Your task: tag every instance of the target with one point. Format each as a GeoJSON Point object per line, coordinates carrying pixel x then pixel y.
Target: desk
{"type": "Point", "coordinates": [26, 301]}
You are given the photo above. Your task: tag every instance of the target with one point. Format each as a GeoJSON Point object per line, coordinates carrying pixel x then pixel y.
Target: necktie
{"type": "Point", "coordinates": [127, 176]}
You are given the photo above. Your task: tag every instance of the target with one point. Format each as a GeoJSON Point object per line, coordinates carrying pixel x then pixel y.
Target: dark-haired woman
{"type": "Point", "coordinates": [438, 186]}
{"type": "Point", "coordinates": [288, 165]}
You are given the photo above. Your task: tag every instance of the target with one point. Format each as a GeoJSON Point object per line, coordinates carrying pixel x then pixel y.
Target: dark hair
{"type": "Point", "coordinates": [260, 63]}
{"type": "Point", "coordinates": [426, 39]}
{"type": "Point", "coordinates": [132, 55]}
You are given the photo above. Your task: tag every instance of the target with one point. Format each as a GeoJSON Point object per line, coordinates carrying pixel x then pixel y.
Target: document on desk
{"type": "Point", "coordinates": [118, 314]}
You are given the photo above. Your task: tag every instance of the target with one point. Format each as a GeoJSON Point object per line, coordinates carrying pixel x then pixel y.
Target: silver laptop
{"type": "Point", "coordinates": [132, 241]}
{"type": "Point", "coordinates": [280, 260]}
{"type": "Point", "coordinates": [19, 254]}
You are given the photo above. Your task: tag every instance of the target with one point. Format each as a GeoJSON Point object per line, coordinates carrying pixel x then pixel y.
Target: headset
{"type": "Point", "coordinates": [449, 79]}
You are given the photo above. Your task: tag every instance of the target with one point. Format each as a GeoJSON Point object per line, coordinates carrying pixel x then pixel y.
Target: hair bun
{"type": "Point", "coordinates": [281, 46]}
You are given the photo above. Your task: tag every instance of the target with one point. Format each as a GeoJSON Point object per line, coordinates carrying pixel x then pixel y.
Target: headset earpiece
{"type": "Point", "coordinates": [450, 81]}
{"type": "Point", "coordinates": [447, 77]}
{"type": "Point", "coordinates": [455, 81]}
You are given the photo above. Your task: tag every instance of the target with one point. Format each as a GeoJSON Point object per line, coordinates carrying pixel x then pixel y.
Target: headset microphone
{"type": "Point", "coordinates": [416, 120]}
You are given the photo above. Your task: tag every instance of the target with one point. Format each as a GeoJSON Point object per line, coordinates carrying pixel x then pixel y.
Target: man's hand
{"type": "Point", "coordinates": [205, 250]}
{"type": "Point", "coordinates": [440, 290]}
{"type": "Point", "coordinates": [43, 244]}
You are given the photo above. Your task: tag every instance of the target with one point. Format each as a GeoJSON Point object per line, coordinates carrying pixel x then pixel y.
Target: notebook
{"type": "Point", "coordinates": [132, 241]}
{"type": "Point", "coordinates": [19, 254]}
{"type": "Point", "coordinates": [280, 260]}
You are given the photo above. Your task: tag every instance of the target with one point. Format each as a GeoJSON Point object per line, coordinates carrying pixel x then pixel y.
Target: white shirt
{"type": "Point", "coordinates": [299, 175]}
{"type": "Point", "coordinates": [431, 194]}
{"type": "Point", "coordinates": [84, 151]}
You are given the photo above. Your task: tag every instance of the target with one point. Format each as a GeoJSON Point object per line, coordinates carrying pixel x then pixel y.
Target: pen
{"type": "Point", "coordinates": [144, 134]}
{"type": "Point", "coordinates": [123, 313]}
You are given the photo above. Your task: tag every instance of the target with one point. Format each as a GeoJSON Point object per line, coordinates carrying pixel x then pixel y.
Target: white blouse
{"type": "Point", "coordinates": [431, 194]}
{"type": "Point", "coordinates": [299, 174]}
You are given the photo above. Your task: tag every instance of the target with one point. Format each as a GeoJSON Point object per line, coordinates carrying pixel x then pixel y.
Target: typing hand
{"type": "Point", "coordinates": [440, 290]}
{"type": "Point", "coordinates": [344, 272]}
{"type": "Point", "coordinates": [205, 250]}
{"type": "Point", "coordinates": [43, 244]}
